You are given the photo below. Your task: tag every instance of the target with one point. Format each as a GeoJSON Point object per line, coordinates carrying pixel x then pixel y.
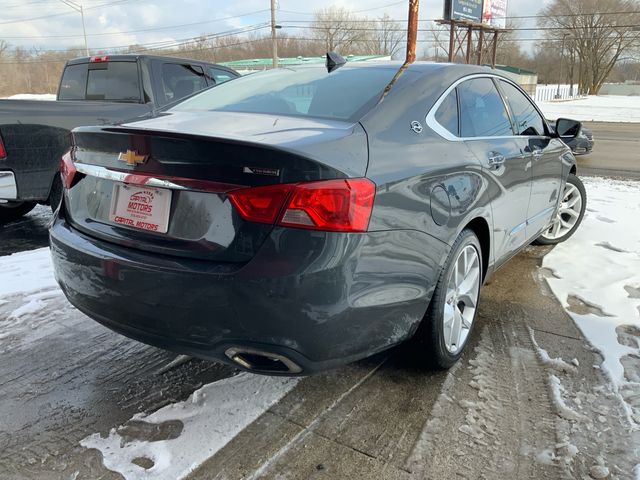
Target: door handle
{"type": "Point", "coordinates": [537, 153]}
{"type": "Point", "coordinates": [496, 159]}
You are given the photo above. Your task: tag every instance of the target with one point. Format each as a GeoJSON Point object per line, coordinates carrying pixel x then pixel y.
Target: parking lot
{"type": "Point", "coordinates": [66, 378]}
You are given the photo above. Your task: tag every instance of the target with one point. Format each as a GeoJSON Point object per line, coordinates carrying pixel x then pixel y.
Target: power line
{"type": "Point", "coordinates": [507, 17]}
{"type": "Point", "coordinates": [44, 17]}
{"type": "Point", "coordinates": [166, 27]}
{"type": "Point", "coordinates": [361, 29]}
{"type": "Point", "coordinates": [163, 45]}
{"type": "Point", "coordinates": [356, 11]}
{"type": "Point", "coordinates": [166, 44]}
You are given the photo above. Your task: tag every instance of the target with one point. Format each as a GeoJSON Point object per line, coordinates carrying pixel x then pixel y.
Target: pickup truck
{"type": "Point", "coordinates": [99, 90]}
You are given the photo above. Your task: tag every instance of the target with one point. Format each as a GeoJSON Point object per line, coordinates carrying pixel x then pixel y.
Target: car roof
{"type": "Point", "coordinates": [134, 57]}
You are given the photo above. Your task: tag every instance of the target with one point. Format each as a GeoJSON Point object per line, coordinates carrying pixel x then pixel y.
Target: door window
{"type": "Point", "coordinates": [527, 118]}
{"type": "Point", "coordinates": [180, 80]}
{"type": "Point", "coordinates": [482, 111]}
{"type": "Point", "coordinates": [447, 114]}
{"type": "Point", "coordinates": [220, 76]}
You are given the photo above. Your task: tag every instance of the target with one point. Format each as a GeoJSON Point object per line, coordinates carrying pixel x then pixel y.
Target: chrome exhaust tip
{"type": "Point", "coordinates": [261, 361]}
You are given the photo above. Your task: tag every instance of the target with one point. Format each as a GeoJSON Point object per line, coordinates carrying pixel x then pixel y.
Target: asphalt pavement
{"type": "Point", "coordinates": [616, 152]}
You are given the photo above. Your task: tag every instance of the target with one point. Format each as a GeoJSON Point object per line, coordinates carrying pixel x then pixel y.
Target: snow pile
{"type": "Point", "coordinates": [26, 272]}
{"type": "Point", "coordinates": [598, 281]}
{"type": "Point", "coordinates": [32, 96]}
{"type": "Point", "coordinates": [606, 108]}
{"type": "Point", "coordinates": [211, 417]}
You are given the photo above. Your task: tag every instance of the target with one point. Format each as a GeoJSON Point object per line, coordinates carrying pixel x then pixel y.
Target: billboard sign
{"type": "Point", "coordinates": [469, 10]}
{"type": "Point", "coordinates": [494, 13]}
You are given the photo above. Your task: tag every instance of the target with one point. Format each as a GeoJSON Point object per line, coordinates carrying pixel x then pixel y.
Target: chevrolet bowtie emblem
{"type": "Point", "coordinates": [132, 157]}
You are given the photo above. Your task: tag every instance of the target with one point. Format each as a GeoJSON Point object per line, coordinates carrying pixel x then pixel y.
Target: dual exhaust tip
{"type": "Point", "coordinates": [262, 362]}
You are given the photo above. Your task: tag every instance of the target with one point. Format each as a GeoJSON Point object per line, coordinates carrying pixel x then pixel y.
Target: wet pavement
{"type": "Point", "coordinates": [63, 377]}
{"type": "Point", "coordinates": [28, 233]}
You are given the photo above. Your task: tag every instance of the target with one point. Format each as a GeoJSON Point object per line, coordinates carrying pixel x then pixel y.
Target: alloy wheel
{"type": "Point", "coordinates": [461, 301]}
{"type": "Point", "coordinates": [568, 213]}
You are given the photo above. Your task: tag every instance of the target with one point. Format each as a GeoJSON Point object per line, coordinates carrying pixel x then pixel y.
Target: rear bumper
{"type": "Point", "coordinates": [8, 187]}
{"type": "Point", "coordinates": [320, 299]}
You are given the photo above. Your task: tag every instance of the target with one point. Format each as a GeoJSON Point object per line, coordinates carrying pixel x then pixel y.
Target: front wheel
{"type": "Point", "coordinates": [570, 213]}
{"type": "Point", "coordinates": [449, 320]}
{"type": "Point", "coordinates": [10, 211]}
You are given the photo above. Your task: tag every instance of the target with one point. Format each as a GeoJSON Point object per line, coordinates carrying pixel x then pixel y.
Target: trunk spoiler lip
{"type": "Point", "coordinates": [132, 129]}
{"type": "Point", "coordinates": [156, 181]}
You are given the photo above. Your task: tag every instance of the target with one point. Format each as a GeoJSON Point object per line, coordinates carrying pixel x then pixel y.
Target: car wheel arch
{"type": "Point", "coordinates": [480, 226]}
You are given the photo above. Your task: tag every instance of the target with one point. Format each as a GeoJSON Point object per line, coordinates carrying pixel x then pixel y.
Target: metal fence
{"type": "Point", "coordinates": [545, 93]}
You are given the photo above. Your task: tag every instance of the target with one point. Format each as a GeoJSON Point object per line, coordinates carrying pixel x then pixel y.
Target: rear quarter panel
{"type": "Point", "coordinates": [424, 182]}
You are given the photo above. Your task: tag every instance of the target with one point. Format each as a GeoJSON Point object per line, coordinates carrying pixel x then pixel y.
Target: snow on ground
{"type": "Point", "coordinates": [32, 96]}
{"type": "Point", "coordinates": [211, 417]}
{"type": "Point", "coordinates": [605, 108]}
{"type": "Point", "coordinates": [26, 272]}
{"type": "Point", "coordinates": [597, 280]}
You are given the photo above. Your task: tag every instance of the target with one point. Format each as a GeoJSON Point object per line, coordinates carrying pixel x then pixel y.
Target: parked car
{"type": "Point", "coordinates": [93, 91]}
{"type": "Point", "coordinates": [582, 143]}
{"type": "Point", "coordinates": [294, 220]}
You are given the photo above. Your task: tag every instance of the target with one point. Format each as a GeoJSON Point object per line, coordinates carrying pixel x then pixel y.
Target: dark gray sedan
{"type": "Point", "coordinates": [295, 220]}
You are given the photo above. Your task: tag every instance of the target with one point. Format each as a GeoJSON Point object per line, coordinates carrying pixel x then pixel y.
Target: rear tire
{"type": "Point", "coordinates": [569, 215]}
{"type": "Point", "coordinates": [10, 211]}
{"type": "Point", "coordinates": [447, 325]}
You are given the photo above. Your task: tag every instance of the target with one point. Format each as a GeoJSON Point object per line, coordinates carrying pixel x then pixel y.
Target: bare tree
{"type": "Point", "coordinates": [339, 29]}
{"type": "Point", "coordinates": [389, 36]}
{"type": "Point", "coordinates": [596, 34]}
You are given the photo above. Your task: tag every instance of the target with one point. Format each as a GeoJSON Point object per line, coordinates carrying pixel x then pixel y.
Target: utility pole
{"type": "Point", "coordinates": [412, 31]}
{"type": "Point", "coordinates": [564, 36]}
{"type": "Point", "coordinates": [78, 8]}
{"type": "Point", "coordinates": [274, 39]}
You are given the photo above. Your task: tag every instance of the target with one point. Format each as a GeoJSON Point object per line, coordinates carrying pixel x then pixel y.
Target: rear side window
{"type": "Point", "coordinates": [482, 111]}
{"type": "Point", "coordinates": [525, 115]}
{"type": "Point", "coordinates": [111, 81]}
{"type": "Point", "coordinates": [220, 76]}
{"type": "Point", "coordinates": [447, 114]}
{"type": "Point", "coordinates": [181, 80]}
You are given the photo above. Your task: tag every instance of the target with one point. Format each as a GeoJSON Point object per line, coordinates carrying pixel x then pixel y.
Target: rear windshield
{"type": "Point", "coordinates": [344, 94]}
{"type": "Point", "coordinates": [113, 81]}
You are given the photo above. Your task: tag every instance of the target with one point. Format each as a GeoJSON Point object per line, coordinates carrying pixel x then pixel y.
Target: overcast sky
{"type": "Point", "coordinates": [50, 24]}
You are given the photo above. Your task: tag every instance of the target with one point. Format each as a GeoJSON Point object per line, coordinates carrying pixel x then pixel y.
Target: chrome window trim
{"type": "Point", "coordinates": [434, 125]}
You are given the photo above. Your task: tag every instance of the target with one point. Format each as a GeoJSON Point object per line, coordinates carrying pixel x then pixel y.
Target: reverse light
{"type": "Point", "coordinates": [67, 170]}
{"type": "Point", "coordinates": [341, 205]}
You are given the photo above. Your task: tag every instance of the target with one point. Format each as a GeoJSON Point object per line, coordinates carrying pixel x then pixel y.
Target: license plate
{"type": "Point", "coordinates": [141, 207]}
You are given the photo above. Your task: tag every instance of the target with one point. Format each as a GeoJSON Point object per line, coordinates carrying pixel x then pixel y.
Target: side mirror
{"type": "Point", "coordinates": [566, 128]}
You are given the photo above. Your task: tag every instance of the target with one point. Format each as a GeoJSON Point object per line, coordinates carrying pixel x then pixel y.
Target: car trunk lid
{"type": "Point", "coordinates": [162, 185]}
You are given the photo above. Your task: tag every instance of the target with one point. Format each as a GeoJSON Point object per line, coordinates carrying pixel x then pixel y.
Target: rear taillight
{"type": "Point", "coordinates": [67, 170]}
{"type": "Point", "coordinates": [342, 205]}
{"type": "Point", "coordinates": [3, 151]}
{"type": "Point", "coordinates": [261, 204]}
